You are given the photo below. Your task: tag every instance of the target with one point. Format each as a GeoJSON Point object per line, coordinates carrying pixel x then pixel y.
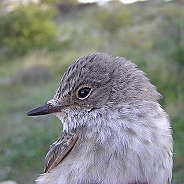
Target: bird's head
{"type": "Point", "coordinates": [95, 83]}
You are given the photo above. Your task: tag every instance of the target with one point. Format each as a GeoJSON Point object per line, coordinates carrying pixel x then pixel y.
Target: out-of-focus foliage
{"type": "Point", "coordinates": [27, 27]}
{"type": "Point", "coordinates": [110, 20]}
{"type": "Point", "coordinates": [72, 2]}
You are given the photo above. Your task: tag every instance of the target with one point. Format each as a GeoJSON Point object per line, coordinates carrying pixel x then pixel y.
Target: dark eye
{"type": "Point", "coordinates": [84, 92]}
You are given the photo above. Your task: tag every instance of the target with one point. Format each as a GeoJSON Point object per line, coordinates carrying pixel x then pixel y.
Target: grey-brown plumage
{"type": "Point", "coordinates": [114, 130]}
{"type": "Point", "coordinates": [59, 149]}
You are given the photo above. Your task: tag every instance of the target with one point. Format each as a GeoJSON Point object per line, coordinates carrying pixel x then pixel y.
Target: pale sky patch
{"type": "Point", "coordinates": [103, 1]}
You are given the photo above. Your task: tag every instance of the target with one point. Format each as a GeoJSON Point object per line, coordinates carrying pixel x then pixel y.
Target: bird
{"type": "Point", "coordinates": [114, 129]}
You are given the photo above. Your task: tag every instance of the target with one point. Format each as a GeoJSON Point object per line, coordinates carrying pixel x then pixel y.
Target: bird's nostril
{"type": "Point", "coordinates": [50, 106]}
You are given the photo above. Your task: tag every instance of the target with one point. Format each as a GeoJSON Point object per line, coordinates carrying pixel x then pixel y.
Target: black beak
{"type": "Point", "coordinates": [44, 109]}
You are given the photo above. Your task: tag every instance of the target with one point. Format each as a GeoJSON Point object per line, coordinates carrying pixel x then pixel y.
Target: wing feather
{"type": "Point", "coordinates": [59, 149]}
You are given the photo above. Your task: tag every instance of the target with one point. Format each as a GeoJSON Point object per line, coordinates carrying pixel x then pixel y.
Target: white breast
{"type": "Point", "coordinates": [119, 148]}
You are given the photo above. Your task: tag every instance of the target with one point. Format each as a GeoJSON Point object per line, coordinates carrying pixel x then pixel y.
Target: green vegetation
{"type": "Point", "coordinates": [149, 34]}
{"type": "Point", "coordinates": [27, 27]}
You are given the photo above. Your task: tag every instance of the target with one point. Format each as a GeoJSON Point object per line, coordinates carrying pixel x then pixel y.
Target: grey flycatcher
{"type": "Point", "coordinates": [114, 129]}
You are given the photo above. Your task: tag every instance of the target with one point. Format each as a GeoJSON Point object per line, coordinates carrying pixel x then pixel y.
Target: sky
{"type": "Point", "coordinates": [102, 1]}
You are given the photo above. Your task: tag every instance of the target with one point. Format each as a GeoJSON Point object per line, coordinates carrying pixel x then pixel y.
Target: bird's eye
{"type": "Point", "coordinates": [84, 92]}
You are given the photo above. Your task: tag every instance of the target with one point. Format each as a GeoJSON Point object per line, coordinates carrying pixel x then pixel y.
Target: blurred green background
{"type": "Point", "coordinates": [39, 41]}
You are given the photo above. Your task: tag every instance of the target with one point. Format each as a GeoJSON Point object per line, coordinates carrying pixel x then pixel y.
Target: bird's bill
{"type": "Point", "coordinates": [44, 109]}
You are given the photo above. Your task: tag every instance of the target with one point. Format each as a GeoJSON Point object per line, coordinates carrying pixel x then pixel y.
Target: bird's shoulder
{"type": "Point", "coordinates": [59, 149]}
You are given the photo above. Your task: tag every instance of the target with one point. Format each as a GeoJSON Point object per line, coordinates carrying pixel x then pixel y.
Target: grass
{"type": "Point", "coordinates": [149, 41]}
